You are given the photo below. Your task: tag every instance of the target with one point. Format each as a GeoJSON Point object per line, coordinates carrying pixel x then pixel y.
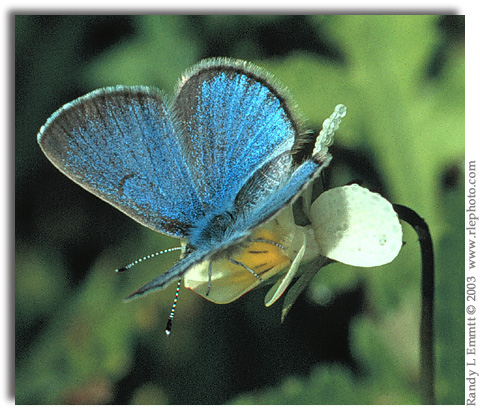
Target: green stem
{"type": "Point", "coordinates": [427, 358]}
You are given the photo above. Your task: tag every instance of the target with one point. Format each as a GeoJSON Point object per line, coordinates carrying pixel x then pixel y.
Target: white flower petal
{"type": "Point", "coordinates": [356, 227]}
{"type": "Point", "coordinates": [279, 287]}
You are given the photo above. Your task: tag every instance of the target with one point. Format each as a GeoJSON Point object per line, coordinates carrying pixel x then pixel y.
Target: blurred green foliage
{"type": "Point", "coordinates": [352, 338]}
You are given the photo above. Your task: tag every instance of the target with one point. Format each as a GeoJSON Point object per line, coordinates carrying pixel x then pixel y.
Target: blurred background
{"type": "Point", "coordinates": [352, 337]}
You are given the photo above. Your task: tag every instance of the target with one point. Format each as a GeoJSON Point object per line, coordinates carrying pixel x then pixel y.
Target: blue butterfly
{"type": "Point", "coordinates": [208, 167]}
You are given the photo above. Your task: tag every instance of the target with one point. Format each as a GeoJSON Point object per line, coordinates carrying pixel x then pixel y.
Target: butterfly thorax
{"type": "Point", "coordinates": [218, 232]}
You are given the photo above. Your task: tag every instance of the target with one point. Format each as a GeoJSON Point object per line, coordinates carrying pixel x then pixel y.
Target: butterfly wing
{"type": "Point", "coordinates": [273, 187]}
{"type": "Point", "coordinates": [178, 270]}
{"type": "Point", "coordinates": [122, 145]}
{"type": "Point", "coordinates": [234, 120]}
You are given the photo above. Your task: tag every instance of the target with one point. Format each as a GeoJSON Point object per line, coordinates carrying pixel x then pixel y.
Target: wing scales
{"type": "Point", "coordinates": [121, 145]}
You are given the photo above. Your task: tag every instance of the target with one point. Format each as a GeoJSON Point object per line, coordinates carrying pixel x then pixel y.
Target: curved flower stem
{"type": "Point", "coordinates": [427, 359]}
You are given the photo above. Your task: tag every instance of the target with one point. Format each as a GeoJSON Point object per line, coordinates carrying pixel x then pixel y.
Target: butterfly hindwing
{"type": "Point", "coordinates": [273, 187]}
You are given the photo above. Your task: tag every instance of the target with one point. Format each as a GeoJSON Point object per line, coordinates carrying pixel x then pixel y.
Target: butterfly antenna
{"type": "Point", "coordinates": [128, 266]}
{"type": "Point", "coordinates": [168, 328]}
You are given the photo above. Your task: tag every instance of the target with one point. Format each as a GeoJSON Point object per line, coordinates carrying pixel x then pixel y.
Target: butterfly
{"type": "Point", "coordinates": [208, 166]}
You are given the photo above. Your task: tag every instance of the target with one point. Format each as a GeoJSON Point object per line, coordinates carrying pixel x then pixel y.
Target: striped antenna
{"type": "Point", "coordinates": [128, 266]}
{"type": "Point", "coordinates": [168, 328]}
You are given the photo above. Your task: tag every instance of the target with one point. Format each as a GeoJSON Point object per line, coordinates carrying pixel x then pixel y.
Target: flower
{"type": "Point", "coordinates": [349, 224]}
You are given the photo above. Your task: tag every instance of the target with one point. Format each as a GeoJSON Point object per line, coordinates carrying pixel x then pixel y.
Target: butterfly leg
{"type": "Point", "coordinates": [246, 268]}
{"type": "Point", "coordinates": [267, 241]}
